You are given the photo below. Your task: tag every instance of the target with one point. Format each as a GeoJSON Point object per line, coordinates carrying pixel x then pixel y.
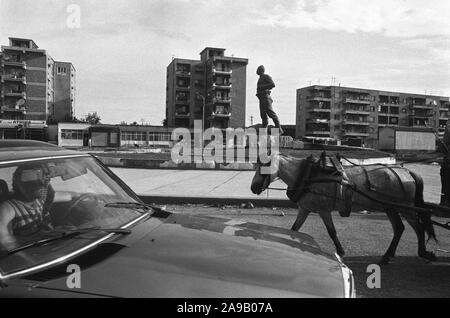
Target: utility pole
{"type": "Point", "coordinates": [203, 115]}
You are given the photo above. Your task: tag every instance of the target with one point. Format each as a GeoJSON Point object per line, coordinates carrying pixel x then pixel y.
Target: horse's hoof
{"type": "Point", "coordinates": [429, 256]}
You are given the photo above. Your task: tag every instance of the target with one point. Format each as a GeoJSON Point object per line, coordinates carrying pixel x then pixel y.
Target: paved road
{"type": "Point", "coordinates": [232, 184]}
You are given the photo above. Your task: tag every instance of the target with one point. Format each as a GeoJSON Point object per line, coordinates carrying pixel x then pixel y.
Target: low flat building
{"type": "Point", "coordinates": [73, 135]}
{"type": "Point", "coordinates": [79, 135]}
{"type": "Point", "coordinates": [143, 136]}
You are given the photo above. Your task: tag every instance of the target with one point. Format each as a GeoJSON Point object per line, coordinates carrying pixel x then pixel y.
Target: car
{"type": "Point", "coordinates": [69, 227]}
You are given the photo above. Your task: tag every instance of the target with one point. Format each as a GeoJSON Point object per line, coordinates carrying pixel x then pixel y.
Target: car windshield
{"type": "Point", "coordinates": [41, 199]}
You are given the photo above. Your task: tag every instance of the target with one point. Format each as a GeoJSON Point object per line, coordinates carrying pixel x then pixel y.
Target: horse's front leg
{"type": "Point", "coordinates": [398, 228]}
{"type": "Point", "coordinates": [328, 221]}
{"type": "Point", "coordinates": [301, 218]}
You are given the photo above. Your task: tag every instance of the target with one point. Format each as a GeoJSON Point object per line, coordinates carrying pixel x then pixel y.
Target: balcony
{"type": "Point", "coordinates": [221, 111]}
{"type": "Point", "coordinates": [183, 88]}
{"type": "Point", "coordinates": [220, 114]}
{"type": "Point", "coordinates": [221, 86]}
{"type": "Point", "coordinates": [363, 112]}
{"type": "Point", "coordinates": [428, 107]}
{"type": "Point", "coordinates": [183, 73]}
{"type": "Point", "coordinates": [221, 71]}
{"type": "Point", "coordinates": [389, 100]}
{"type": "Point", "coordinates": [319, 110]}
{"type": "Point", "coordinates": [319, 98]}
{"type": "Point", "coordinates": [318, 121]}
{"type": "Point", "coordinates": [20, 78]}
{"type": "Point", "coordinates": [355, 123]}
{"type": "Point", "coordinates": [353, 100]}
{"type": "Point", "coordinates": [20, 64]}
{"type": "Point", "coordinates": [322, 133]}
{"type": "Point", "coordinates": [22, 49]}
{"type": "Point", "coordinates": [20, 94]}
{"type": "Point", "coordinates": [356, 134]}
{"type": "Point", "coordinates": [221, 100]}
{"type": "Point", "coordinates": [421, 116]}
{"type": "Point", "coordinates": [13, 109]}
{"type": "Point", "coordinates": [182, 115]}
{"type": "Point", "coordinates": [388, 125]}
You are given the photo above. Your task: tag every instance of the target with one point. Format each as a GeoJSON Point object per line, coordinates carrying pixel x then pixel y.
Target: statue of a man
{"type": "Point", "coordinates": [264, 87]}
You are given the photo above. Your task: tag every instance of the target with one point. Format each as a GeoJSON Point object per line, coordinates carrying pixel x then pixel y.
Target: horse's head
{"type": "Point", "coordinates": [265, 174]}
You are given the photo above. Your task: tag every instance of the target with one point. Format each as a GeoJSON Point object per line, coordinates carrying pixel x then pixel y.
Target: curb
{"type": "Point", "coordinates": [282, 203]}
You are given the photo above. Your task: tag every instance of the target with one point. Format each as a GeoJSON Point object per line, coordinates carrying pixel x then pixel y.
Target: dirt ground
{"type": "Point", "coordinates": [365, 237]}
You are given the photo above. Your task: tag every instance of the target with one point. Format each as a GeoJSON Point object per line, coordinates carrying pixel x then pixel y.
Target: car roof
{"type": "Point", "coordinates": [29, 149]}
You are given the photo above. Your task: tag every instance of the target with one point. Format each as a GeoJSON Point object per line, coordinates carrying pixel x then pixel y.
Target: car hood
{"type": "Point", "coordinates": [181, 255]}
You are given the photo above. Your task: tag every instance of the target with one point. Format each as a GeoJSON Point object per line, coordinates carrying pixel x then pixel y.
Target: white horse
{"type": "Point", "coordinates": [399, 185]}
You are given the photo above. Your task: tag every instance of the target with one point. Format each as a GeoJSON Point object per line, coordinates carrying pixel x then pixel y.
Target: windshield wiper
{"type": "Point", "coordinates": [157, 211]}
{"type": "Point", "coordinates": [130, 205]}
{"type": "Point", "coordinates": [66, 235]}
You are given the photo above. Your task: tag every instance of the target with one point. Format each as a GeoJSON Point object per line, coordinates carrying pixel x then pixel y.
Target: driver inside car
{"type": "Point", "coordinates": [27, 211]}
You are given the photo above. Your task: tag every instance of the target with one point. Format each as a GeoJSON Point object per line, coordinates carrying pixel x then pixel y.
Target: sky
{"type": "Point", "coordinates": [122, 47]}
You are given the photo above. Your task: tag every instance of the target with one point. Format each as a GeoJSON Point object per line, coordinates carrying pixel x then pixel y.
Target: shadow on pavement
{"type": "Point", "coordinates": [405, 276]}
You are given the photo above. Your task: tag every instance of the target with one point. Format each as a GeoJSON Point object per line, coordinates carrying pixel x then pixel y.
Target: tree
{"type": "Point", "coordinates": [92, 118]}
{"type": "Point", "coordinates": [164, 122]}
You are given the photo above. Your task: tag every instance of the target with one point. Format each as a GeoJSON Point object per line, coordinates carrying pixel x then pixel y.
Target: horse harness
{"type": "Point", "coordinates": [313, 171]}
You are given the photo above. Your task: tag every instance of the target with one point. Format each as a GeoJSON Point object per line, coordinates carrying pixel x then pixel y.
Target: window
{"type": "Point", "coordinates": [71, 134]}
{"type": "Point", "coordinates": [134, 136]}
{"type": "Point", "coordinates": [160, 137]}
{"type": "Point", "coordinates": [61, 70]}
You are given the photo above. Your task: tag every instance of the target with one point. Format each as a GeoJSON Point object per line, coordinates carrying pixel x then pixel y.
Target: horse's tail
{"type": "Point", "coordinates": [424, 218]}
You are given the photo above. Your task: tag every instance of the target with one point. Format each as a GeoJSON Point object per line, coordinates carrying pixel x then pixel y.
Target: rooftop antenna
{"type": "Point", "coordinates": [333, 81]}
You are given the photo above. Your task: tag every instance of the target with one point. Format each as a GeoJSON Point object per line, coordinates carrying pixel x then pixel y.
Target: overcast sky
{"type": "Point", "coordinates": [123, 47]}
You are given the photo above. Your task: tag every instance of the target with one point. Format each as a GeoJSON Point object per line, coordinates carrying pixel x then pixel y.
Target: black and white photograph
{"type": "Point", "coordinates": [224, 155]}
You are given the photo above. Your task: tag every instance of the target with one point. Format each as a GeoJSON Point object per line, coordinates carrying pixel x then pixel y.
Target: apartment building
{"type": "Point", "coordinates": [28, 85]}
{"type": "Point", "coordinates": [212, 88]}
{"type": "Point", "coordinates": [355, 115]}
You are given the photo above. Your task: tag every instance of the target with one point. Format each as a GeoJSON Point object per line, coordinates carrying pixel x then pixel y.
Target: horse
{"type": "Point", "coordinates": [360, 188]}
